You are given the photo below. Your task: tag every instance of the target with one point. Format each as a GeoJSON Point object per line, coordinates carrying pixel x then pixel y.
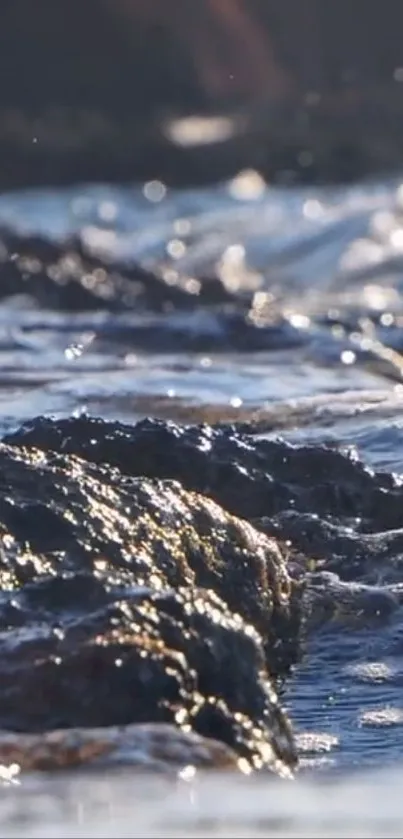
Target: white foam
{"type": "Point", "coordinates": [129, 805]}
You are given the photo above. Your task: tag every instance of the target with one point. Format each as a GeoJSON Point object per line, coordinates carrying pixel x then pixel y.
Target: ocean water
{"type": "Point", "coordinates": [321, 273]}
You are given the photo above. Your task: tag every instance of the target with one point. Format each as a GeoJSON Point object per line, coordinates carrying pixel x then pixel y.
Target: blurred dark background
{"type": "Point", "coordinates": [311, 91]}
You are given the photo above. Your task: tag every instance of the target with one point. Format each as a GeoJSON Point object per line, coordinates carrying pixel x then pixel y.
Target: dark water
{"type": "Point", "coordinates": [287, 319]}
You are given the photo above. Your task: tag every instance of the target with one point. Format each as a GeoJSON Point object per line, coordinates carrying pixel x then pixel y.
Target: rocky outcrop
{"type": "Point", "coordinates": [164, 575]}
{"type": "Point", "coordinates": [252, 478]}
{"type": "Point", "coordinates": [134, 600]}
{"type": "Point", "coordinates": [68, 277]}
{"type": "Point", "coordinates": [338, 520]}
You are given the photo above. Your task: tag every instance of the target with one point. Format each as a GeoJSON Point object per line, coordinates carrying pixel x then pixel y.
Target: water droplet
{"type": "Point", "coordinates": [154, 191]}
{"type": "Point", "coordinates": [348, 357]}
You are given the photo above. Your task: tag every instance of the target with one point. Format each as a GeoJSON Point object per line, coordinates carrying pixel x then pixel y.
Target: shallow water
{"type": "Point", "coordinates": [320, 273]}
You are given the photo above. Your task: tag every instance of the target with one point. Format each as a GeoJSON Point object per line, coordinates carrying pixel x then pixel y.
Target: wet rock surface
{"type": "Point", "coordinates": [158, 747]}
{"type": "Point", "coordinates": [199, 305]}
{"type": "Point", "coordinates": [336, 520]}
{"type": "Point", "coordinates": [136, 600]}
{"type": "Point", "coordinates": [165, 574]}
{"type": "Point", "coordinates": [251, 477]}
{"type": "Point", "coordinates": [69, 278]}
{"type": "Point", "coordinates": [165, 311]}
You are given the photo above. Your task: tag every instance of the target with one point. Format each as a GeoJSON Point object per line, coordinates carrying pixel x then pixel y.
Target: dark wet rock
{"type": "Point", "coordinates": [166, 657]}
{"type": "Point", "coordinates": [134, 600]}
{"type": "Point", "coordinates": [178, 568]}
{"type": "Point", "coordinates": [329, 600]}
{"type": "Point", "coordinates": [250, 477]}
{"type": "Point", "coordinates": [66, 277]}
{"type": "Point", "coordinates": [198, 316]}
{"type": "Point", "coordinates": [329, 511]}
{"type": "Point", "coordinates": [340, 547]}
{"type": "Point", "coordinates": [146, 746]}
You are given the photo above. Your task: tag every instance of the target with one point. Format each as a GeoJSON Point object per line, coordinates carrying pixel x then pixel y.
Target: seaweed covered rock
{"type": "Point", "coordinates": [134, 600]}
